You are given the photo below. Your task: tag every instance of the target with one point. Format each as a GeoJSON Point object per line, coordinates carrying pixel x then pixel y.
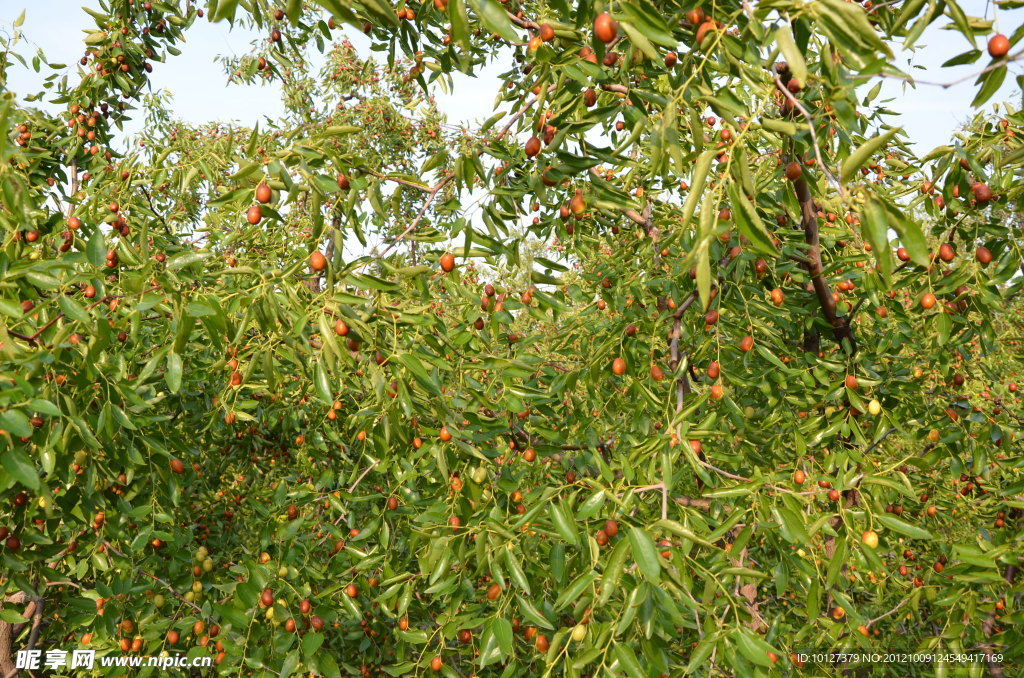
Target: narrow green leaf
{"type": "Point", "coordinates": [876, 231]}
{"type": "Point", "coordinates": [639, 40]}
{"type": "Point", "coordinates": [910, 233]}
{"type": "Point", "coordinates": [173, 374]}
{"type": "Point", "coordinates": [990, 82]}
{"type": "Point", "coordinates": [532, 614]}
{"type": "Point", "coordinates": [183, 259]}
{"type": "Point", "coordinates": [627, 659]}
{"type": "Point", "coordinates": [646, 553]}
{"type": "Point", "coordinates": [323, 386]}
{"type": "Point", "coordinates": [564, 525]}
{"type": "Point", "coordinates": [794, 58]}
{"type": "Point", "coordinates": [791, 524]}
{"type": "Point", "coordinates": [515, 571]}
{"type": "Point", "coordinates": [697, 181]}
{"type": "Point", "coordinates": [703, 275]}
{"type": "Point", "coordinates": [612, 571]}
{"type": "Point", "coordinates": [753, 648]}
{"type": "Point", "coordinates": [575, 590]}
{"type": "Point", "coordinates": [853, 163]}
{"type": "Point", "coordinates": [904, 528]}
{"type": "Point", "coordinates": [494, 19]}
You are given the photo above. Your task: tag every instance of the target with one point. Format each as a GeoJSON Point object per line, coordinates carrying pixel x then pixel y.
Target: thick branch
{"type": "Point", "coordinates": [809, 223]}
{"type": "Point", "coordinates": [8, 632]}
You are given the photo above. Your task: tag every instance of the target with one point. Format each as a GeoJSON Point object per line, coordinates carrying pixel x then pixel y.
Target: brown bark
{"type": "Point", "coordinates": [809, 222]}
{"type": "Point", "coordinates": [8, 632]}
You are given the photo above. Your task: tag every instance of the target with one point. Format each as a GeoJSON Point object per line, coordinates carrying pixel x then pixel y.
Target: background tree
{"type": "Point", "coordinates": [282, 396]}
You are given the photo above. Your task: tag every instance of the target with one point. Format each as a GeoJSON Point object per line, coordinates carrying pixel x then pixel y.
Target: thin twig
{"type": "Point", "coordinates": [946, 85]}
{"type": "Point", "coordinates": [869, 622]}
{"type": "Point", "coordinates": [155, 578]}
{"type": "Point", "coordinates": [361, 476]}
{"type": "Point", "coordinates": [814, 137]}
{"type": "Point", "coordinates": [879, 441]}
{"type": "Point", "coordinates": [432, 191]}
{"type": "Point", "coordinates": [522, 111]}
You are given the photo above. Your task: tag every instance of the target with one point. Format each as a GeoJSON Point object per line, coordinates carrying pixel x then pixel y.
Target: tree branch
{"type": "Point", "coordinates": [155, 578]}
{"type": "Point", "coordinates": [432, 193]}
{"type": "Point", "coordinates": [814, 137]}
{"type": "Point", "coordinates": [809, 223]}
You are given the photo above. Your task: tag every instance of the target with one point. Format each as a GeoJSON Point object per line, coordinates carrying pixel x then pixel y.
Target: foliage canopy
{"type": "Point", "coordinates": [626, 381]}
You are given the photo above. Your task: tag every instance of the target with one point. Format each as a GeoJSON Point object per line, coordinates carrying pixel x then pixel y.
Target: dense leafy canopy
{"type": "Point", "coordinates": [683, 361]}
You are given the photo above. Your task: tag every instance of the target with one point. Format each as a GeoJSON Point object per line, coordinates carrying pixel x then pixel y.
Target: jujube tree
{"type": "Point", "coordinates": [683, 361]}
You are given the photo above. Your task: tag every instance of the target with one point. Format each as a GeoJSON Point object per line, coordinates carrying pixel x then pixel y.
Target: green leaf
{"type": "Point", "coordinates": [612, 570]}
{"type": "Point", "coordinates": [502, 629]}
{"type": "Point", "coordinates": [639, 40]}
{"type": "Point", "coordinates": [848, 28]}
{"type": "Point", "coordinates": [649, 20]}
{"type": "Point", "coordinates": [646, 553]}
{"type": "Point", "coordinates": [339, 130]}
{"type": "Point", "coordinates": [311, 642]}
{"type": "Point", "coordinates": [579, 585]}
{"type": "Point", "coordinates": [96, 249]}
{"type": "Point", "coordinates": [791, 53]}
{"type": "Point", "coordinates": [703, 275]}
{"type": "Point", "coordinates": [990, 83]}
{"type": "Point", "coordinates": [750, 223]}
{"type": "Point", "coordinates": [43, 280]}
{"type": "Point", "coordinates": [173, 374]}
{"type": "Point", "coordinates": [904, 528]}
{"type": "Point", "coordinates": [225, 10]}
{"type": "Point", "coordinates": [16, 423]}
{"type": "Point", "coordinates": [323, 386]}
{"type": "Point", "coordinates": [341, 11]}
{"type": "Point", "coordinates": [459, 19]}
{"type": "Point", "coordinates": [697, 181]}
{"type": "Point", "coordinates": [791, 524]}
{"type": "Point", "coordinates": [183, 259]}
{"type": "Point", "coordinates": [495, 20]}
{"type": "Point", "coordinates": [515, 571]}
{"type": "Point", "coordinates": [490, 651]}
{"type": "Point", "coordinates": [564, 525]}
{"type": "Point", "coordinates": [910, 233]}
{"type": "Point", "coordinates": [960, 19]}
{"type": "Point", "coordinates": [11, 617]}
{"type": "Point", "coordinates": [627, 659]}
{"type": "Point", "coordinates": [419, 372]}
{"type": "Point", "coordinates": [290, 663]}
{"type": "Point", "coordinates": [17, 463]}
{"type": "Point", "coordinates": [73, 309]}
{"type": "Point", "coordinates": [753, 648]}
{"type": "Point", "coordinates": [780, 126]}
{"type": "Point", "coordinates": [856, 159]}
{"type": "Point", "coordinates": [677, 529]}
{"type": "Point", "coordinates": [876, 232]}
{"type": "Point", "coordinates": [532, 614]}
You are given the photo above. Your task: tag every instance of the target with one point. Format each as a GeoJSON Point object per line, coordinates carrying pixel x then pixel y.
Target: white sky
{"type": "Point", "coordinates": [930, 114]}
